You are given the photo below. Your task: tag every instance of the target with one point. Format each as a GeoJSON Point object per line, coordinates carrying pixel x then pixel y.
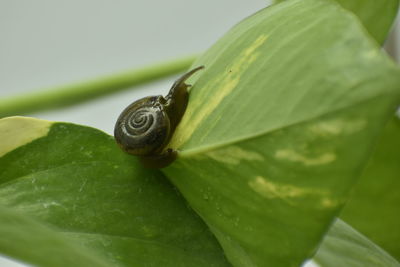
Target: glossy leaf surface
{"type": "Point", "coordinates": [78, 181]}
{"type": "Point", "coordinates": [25, 239]}
{"type": "Point", "coordinates": [344, 246]}
{"type": "Point", "coordinates": [267, 142]}
{"type": "Point", "coordinates": [376, 16]}
{"type": "Point", "coordinates": [374, 206]}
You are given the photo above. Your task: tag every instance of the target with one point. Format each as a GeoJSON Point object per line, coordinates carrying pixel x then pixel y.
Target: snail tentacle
{"type": "Point", "coordinates": [180, 85]}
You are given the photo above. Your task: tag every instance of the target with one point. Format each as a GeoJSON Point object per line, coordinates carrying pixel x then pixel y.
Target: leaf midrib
{"type": "Point", "coordinates": [208, 148]}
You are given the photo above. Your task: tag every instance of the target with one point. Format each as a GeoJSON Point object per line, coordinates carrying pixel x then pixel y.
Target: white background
{"type": "Point", "coordinates": [45, 43]}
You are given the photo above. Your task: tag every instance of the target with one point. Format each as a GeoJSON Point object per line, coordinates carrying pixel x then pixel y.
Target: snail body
{"type": "Point", "coordinates": [146, 126]}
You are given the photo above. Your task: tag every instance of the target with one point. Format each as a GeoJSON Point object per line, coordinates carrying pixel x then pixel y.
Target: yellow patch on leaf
{"type": "Point", "coordinates": [220, 87]}
{"type": "Point", "coordinates": [337, 127]}
{"type": "Point", "coordinates": [291, 155]}
{"type": "Point", "coordinates": [19, 131]}
{"type": "Point", "coordinates": [286, 192]}
{"type": "Point", "coordinates": [233, 155]}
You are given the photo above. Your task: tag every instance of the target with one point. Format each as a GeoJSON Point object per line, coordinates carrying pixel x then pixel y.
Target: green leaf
{"type": "Point", "coordinates": [376, 16]}
{"type": "Point", "coordinates": [278, 127]}
{"type": "Point", "coordinates": [25, 239]}
{"type": "Point", "coordinates": [77, 180]}
{"type": "Point", "coordinates": [344, 246]}
{"type": "Point", "coordinates": [374, 206]}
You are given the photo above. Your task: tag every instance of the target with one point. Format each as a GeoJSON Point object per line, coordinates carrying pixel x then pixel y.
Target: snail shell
{"type": "Point", "coordinates": [145, 127]}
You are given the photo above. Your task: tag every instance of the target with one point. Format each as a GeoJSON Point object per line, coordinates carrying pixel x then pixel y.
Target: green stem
{"type": "Point", "coordinates": [79, 92]}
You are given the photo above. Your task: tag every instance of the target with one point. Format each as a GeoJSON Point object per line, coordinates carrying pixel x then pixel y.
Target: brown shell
{"type": "Point", "coordinates": [143, 127]}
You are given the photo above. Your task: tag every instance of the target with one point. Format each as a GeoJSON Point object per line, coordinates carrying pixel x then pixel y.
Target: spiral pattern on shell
{"type": "Point", "coordinates": [140, 121]}
{"type": "Point", "coordinates": [143, 127]}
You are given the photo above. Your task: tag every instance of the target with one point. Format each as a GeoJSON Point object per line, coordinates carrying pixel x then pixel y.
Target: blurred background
{"type": "Point", "coordinates": [45, 43]}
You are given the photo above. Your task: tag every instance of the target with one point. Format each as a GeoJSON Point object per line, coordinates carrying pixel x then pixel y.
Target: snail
{"type": "Point", "coordinates": [146, 126]}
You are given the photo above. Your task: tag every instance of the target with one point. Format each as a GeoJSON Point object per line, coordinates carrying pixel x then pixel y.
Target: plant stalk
{"type": "Point", "coordinates": [79, 92]}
